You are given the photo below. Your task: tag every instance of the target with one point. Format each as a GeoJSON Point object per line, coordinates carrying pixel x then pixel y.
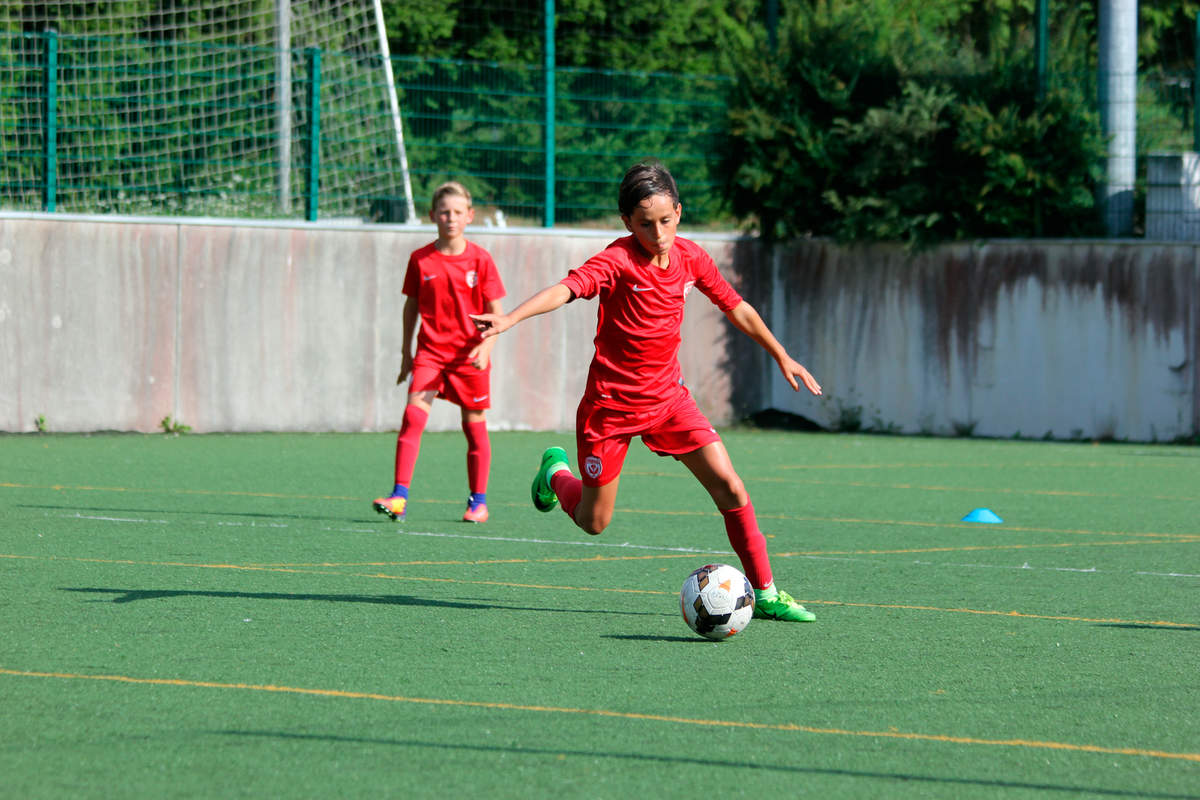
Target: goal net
{"type": "Point", "coordinates": [247, 108]}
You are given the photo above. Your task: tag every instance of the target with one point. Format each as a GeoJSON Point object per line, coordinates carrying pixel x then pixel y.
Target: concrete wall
{"type": "Point", "coordinates": [1065, 340]}
{"type": "Point", "coordinates": [115, 324]}
{"type": "Point", "coordinates": [110, 323]}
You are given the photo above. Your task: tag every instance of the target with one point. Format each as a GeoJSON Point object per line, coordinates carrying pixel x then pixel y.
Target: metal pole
{"type": "Point", "coordinates": [548, 49]}
{"type": "Point", "coordinates": [50, 133]}
{"type": "Point", "coordinates": [1196, 96]}
{"type": "Point", "coordinates": [283, 102]}
{"type": "Point", "coordinates": [314, 132]}
{"type": "Point", "coordinates": [1118, 110]}
{"type": "Point", "coordinates": [394, 102]}
{"type": "Point", "coordinates": [1043, 46]}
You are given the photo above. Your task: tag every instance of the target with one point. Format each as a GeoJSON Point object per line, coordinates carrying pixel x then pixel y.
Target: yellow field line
{"type": "Point", "coordinates": [677, 556]}
{"type": "Point", "coordinates": [631, 511]}
{"type": "Point", "coordinates": [967, 548]}
{"type": "Point", "coordinates": [206, 492]}
{"type": "Point", "coordinates": [989, 465]}
{"type": "Point", "coordinates": [975, 526]}
{"type": "Point", "coordinates": [996, 490]}
{"type": "Point", "coordinates": [624, 715]}
{"type": "Point", "coordinates": [924, 487]}
{"type": "Point", "coordinates": [1016, 614]}
{"type": "Point", "coordinates": [605, 589]}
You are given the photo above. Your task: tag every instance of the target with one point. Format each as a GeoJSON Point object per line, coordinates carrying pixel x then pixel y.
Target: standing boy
{"type": "Point", "coordinates": [446, 282]}
{"type": "Point", "coordinates": [634, 386]}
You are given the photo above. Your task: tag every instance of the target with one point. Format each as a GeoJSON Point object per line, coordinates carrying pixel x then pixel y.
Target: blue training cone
{"type": "Point", "coordinates": [982, 515]}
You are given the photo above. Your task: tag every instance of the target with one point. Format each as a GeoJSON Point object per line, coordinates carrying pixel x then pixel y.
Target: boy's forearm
{"type": "Point", "coordinates": [546, 300]}
{"type": "Point", "coordinates": [409, 317]}
{"type": "Point", "coordinates": [746, 319]}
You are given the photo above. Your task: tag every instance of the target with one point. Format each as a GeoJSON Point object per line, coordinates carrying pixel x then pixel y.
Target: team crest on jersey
{"type": "Point", "coordinates": [472, 278]}
{"type": "Point", "coordinates": [593, 466]}
{"type": "Point", "coordinates": [687, 287]}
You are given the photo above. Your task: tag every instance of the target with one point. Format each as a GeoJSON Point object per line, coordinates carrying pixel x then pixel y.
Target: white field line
{"type": "Point", "coordinates": [631, 546]}
{"type": "Point", "coordinates": [119, 519]}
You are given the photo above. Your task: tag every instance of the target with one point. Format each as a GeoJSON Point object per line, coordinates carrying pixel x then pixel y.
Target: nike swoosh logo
{"type": "Point", "coordinates": [637, 288]}
{"type": "Point", "coordinates": [479, 399]}
{"type": "Point", "coordinates": [428, 277]}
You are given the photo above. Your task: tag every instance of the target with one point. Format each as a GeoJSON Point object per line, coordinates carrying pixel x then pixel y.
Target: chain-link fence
{"type": "Point", "coordinates": [93, 124]}
{"type": "Point", "coordinates": [117, 125]}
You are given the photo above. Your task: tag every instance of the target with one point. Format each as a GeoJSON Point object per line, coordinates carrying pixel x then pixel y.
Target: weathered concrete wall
{"type": "Point", "coordinates": [1058, 339]}
{"type": "Point", "coordinates": [116, 324]}
{"type": "Point", "coordinates": [109, 323]}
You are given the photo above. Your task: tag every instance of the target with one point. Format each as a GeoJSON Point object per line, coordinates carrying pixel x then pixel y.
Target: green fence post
{"type": "Point", "coordinates": [314, 132]}
{"type": "Point", "coordinates": [50, 132]}
{"type": "Point", "coordinates": [1196, 92]}
{"type": "Point", "coordinates": [548, 213]}
{"type": "Point", "coordinates": [1043, 47]}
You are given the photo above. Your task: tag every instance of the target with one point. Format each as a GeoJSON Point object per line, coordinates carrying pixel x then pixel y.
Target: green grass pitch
{"type": "Point", "coordinates": [225, 616]}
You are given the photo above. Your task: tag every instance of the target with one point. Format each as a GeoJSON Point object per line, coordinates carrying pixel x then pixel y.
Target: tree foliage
{"type": "Point", "coordinates": [863, 133]}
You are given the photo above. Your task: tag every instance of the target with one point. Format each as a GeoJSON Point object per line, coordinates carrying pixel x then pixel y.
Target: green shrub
{"type": "Point", "coordinates": [861, 134]}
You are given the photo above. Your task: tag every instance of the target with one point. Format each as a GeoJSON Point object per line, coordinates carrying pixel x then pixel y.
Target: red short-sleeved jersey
{"type": "Point", "coordinates": [641, 310]}
{"type": "Point", "coordinates": [449, 289]}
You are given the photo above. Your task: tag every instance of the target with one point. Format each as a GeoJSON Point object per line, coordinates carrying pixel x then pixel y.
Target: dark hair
{"type": "Point", "coordinates": [643, 180]}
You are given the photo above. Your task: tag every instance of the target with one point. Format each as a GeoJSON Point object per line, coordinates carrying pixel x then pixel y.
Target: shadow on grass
{"type": "Point", "coordinates": [1144, 627]}
{"type": "Point", "coordinates": [634, 637]}
{"type": "Point", "coordinates": [135, 595]}
{"type": "Point", "coordinates": [707, 764]}
{"type": "Point", "coordinates": [194, 512]}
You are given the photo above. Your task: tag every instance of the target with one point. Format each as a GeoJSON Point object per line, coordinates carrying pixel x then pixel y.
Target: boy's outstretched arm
{"type": "Point", "coordinates": [546, 300]}
{"type": "Point", "coordinates": [747, 320]}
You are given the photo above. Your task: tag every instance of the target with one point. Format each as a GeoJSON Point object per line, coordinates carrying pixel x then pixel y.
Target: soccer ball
{"type": "Point", "coordinates": [717, 601]}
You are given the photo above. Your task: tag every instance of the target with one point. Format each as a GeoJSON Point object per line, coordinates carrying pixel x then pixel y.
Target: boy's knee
{"type": "Point", "coordinates": [731, 493]}
{"type": "Point", "coordinates": [594, 525]}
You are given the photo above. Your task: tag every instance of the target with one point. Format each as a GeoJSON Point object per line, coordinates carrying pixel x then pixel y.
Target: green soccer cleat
{"type": "Point", "coordinates": [782, 607]}
{"type": "Point", "coordinates": [544, 498]}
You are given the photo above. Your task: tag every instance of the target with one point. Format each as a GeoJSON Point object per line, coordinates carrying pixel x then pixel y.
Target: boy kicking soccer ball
{"type": "Point", "coordinates": [634, 386]}
{"type": "Point", "coordinates": [447, 281]}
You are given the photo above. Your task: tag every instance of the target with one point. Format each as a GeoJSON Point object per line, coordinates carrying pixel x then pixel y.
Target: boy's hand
{"type": "Point", "coordinates": [793, 369]}
{"type": "Point", "coordinates": [490, 325]}
{"type": "Point", "coordinates": [479, 357]}
{"type": "Point", "coordinates": [406, 368]}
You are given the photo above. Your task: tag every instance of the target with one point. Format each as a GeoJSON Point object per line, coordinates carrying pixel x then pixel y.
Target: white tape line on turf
{"type": "Point", "coordinates": [431, 534]}
{"type": "Point", "coordinates": [525, 540]}
{"type": "Point", "coordinates": [627, 546]}
{"type": "Point", "coordinates": [119, 519]}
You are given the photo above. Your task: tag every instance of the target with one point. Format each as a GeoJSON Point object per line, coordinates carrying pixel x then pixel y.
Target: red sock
{"type": "Point", "coordinates": [569, 490]}
{"type": "Point", "coordinates": [408, 443]}
{"type": "Point", "coordinates": [748, 542]}
{"type": "Point", "coordinates": [479, 455]}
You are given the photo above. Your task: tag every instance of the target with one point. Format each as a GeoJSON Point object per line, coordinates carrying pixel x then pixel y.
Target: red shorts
{"type": "Point", "coordinates": [464, 386]}
{"type": "Point", "coordinates": [602, 435]}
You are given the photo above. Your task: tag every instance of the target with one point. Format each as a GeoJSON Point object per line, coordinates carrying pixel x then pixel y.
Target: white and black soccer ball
{"type": "Point", "coordinates": [717, 601]}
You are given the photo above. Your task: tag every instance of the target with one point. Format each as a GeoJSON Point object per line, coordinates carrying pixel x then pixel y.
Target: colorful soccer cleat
{"type": "Point", "coordinates": [476, 512]}
{"type": "Point", "coordinates": [544, 498]}
{"type": "Point", "coordinates": [393, 506]}
{"type": "Point", "coordinates": [783, 607]}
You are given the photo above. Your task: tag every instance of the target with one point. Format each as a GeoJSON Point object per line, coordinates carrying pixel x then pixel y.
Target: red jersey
{"type": "Point", "coordinates": [641, 311]}
{"type": "Point", "coordinates": [448, 289]}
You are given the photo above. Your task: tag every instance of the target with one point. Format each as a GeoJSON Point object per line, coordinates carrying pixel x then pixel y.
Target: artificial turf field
{"type": "Point", "coordinates": [225, 616]}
